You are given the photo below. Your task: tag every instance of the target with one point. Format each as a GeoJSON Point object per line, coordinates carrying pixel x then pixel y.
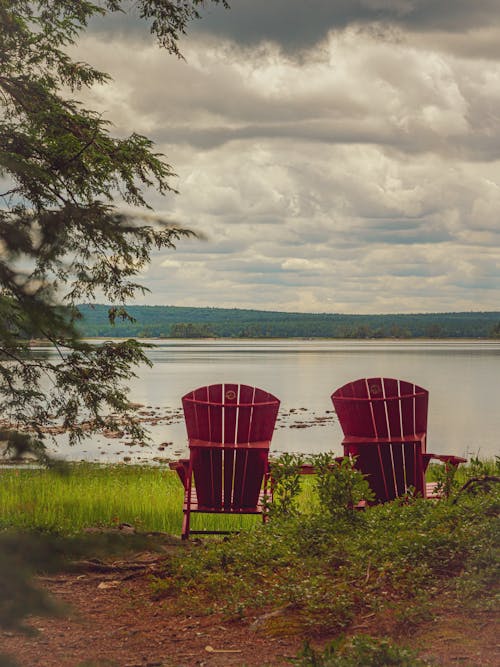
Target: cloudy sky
{"type": "Point", "coordinates": [338, 155]}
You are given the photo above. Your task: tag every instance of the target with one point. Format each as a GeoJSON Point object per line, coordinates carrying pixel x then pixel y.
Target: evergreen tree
{"type": "Point", "coordinates": [63, 233]}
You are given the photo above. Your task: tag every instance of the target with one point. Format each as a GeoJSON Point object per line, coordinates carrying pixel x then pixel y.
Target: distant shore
{"type": "Point", "coordinates": [40, 341]}
{"type": "Point", "coordinates": [191, 323]}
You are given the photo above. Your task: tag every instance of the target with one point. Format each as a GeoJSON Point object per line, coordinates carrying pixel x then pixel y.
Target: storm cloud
{"type": "Point", "coordinates": [301, 25]}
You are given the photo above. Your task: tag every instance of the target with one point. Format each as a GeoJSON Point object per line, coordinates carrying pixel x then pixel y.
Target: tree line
{"type": "Point", "coordinates": [183, 322]}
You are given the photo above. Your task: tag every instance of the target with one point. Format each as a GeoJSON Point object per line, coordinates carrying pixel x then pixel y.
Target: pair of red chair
{"type": "Point", "coordinates": [230, 428]}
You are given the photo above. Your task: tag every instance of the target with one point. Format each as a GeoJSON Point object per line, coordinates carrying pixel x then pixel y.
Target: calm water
{"type": "Point", "coordinates": [463, 379]}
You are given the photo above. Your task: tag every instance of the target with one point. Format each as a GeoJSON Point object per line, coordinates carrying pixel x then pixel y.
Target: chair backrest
{"type": "Point", "coordinates": [381, 409]}
{"type": "Point", "coordinates": [229, 429]}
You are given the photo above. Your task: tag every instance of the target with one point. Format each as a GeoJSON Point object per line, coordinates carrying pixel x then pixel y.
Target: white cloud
{"type": "Point", "coordinates": [360, 177]}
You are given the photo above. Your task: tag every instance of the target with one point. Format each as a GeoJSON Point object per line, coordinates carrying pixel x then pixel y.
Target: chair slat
{"type": "Point", "coordinates": [215, 416]}
{"type": "Point", "coordinates": [421, 410]}
{"type": "Point", "coordinates": [215, 413]}
{"type": "Point", "coordinates": [393, 407]}
{"type": "Point", "coordinates": [415, 468]}
{"type": "Point", "coordinates": [378, 407]}
{"type": "Point", "coordinates": [202, 423]}
{"type": "Point", "coordinates": [245, 413]}
{"type": "Point", "coordinates": [231, 392]}
{"type": "Point", "coordinates": [408, 407]}
{"type": "Point", "coordinates": [399, 469]}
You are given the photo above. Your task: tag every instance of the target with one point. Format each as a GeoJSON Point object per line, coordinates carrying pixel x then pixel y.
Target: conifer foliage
{"type": "Point", "coordinates": [67, 187]}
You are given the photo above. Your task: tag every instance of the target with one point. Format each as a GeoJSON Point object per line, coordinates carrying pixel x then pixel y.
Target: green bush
{"type": "Point", "coordinates": [339, 485]}
{"type": "Point", "coordinates": [286, 485]}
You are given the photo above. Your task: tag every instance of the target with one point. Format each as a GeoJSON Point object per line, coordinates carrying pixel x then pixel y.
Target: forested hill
{"type": "Point", "coordinates": [178, 322]}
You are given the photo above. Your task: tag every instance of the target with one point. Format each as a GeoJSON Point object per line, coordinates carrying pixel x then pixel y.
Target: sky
{"type": "Point", "coordinates": [336, 155]}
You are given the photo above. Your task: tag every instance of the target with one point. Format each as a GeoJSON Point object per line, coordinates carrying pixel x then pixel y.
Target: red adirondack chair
{"type": "Point", "coordinates": [385, 426]}
{"type": "Point", "coordinates": [229, 428]}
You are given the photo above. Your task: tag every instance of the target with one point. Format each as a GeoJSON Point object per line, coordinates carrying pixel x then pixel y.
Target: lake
{"type": "Point", "coordinates": [463, 378]}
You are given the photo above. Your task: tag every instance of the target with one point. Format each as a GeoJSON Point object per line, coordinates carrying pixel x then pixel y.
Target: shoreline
{"type": "Point", "coordinates": [40, 341]}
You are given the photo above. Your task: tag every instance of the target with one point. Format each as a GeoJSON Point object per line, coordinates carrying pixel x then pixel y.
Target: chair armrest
{"type": "Point", "coordinates": [447, 459]}
{"type": "Point", "coordinates": [181, 467]}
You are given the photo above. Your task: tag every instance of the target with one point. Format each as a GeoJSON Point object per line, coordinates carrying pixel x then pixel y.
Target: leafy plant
{"type": "Point", "coordinates": [318, 574]}
{"type": "Point", "coordinates": [446, 480]}
{"type": "Point", "coordinates": [480, 477]}
{"type": "Point", "coordinates": [340, 486]}
{"type": "Point", "coordinates": [479, 468]}
{"type": "Point", "coordinates": [286, 484]}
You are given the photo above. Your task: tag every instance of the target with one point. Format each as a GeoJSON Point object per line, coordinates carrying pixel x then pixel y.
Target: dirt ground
{"type": "Point", "coordinates": [114, 620]}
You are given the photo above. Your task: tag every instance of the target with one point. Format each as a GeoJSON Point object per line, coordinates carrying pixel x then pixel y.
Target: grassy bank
{"type": "Point", "coordinates": [149, 498]}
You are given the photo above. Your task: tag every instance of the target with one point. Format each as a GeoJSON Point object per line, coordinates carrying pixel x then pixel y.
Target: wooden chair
{"type": "Point", "coordinates": [385, 426]}
{"type": "Point", "coordinates": [229, 428]}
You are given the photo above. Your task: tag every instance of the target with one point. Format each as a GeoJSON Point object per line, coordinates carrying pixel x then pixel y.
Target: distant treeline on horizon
{"type": "Point", "coordinates": [181, 322]}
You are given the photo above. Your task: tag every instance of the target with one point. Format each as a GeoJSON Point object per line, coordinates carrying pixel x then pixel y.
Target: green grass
{"type": "Point", "coordinates": [89, 495]}
{"type": "Point", "coordinates": [149, 498]}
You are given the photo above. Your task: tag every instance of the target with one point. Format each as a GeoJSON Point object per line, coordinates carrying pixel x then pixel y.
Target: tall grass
{"type": "Point", "coordinates": [149, 498]}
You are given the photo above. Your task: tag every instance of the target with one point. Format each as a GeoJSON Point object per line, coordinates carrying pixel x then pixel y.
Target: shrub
{"type": "Point", "coordinates": [286, 484]}
{"type": "Point", "coordinates": [340, 486]}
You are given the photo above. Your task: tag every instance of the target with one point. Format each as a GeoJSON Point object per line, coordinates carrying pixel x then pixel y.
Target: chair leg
{"type": "Point", "coordinates": [268, 496]}
{"type": "Point", "coordinates": [187, 505]}
{"type": "Point", "coordinates": [185, 524]}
